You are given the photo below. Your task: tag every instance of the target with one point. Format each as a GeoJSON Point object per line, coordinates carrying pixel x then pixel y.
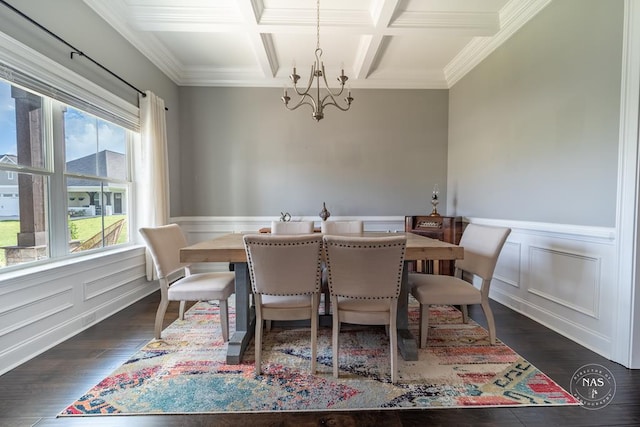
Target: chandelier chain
{"type": "Point", "coordinates": [318, 24]}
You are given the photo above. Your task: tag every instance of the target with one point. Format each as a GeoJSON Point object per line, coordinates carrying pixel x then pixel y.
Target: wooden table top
{"type": "Point", "coordinates": [230, 248]}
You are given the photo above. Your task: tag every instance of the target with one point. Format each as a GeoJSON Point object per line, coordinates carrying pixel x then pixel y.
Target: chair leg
{"type": "Point", "coordinates": [162, 309]}
{"type": "Point", "coordinates": [393, 350]}
{"type": "Point", "coordinates": [327, 302]}
{"type": "Point", "coordinates": [224, 319]}
{"type": "Point", "coordinates": [258, 340]}
{"type": "Point", "coordinates": [424, 324]}
{"type": "Point", "coordinates": [182, 307]}
{"type": "Point", "coordinates": [335, 332]}
{"type": "Point", "coordinates": [490, 321]}
{"type": "Point", "coordinates": [465, 313]}
{"type": "Point", "coordinates": [315, 302]}
{"type": "Point", "coordinates": [267, 325]}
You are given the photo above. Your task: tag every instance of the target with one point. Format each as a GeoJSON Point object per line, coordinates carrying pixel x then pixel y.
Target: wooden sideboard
{"type": "Point", "coordinates": [445, 228]}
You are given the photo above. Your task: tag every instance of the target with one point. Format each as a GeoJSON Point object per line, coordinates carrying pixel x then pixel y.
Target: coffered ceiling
{"type": "Point", "coordinates": [380, 43]}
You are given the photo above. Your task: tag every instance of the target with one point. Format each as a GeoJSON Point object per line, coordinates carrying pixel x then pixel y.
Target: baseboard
{"type": "Point", "coordinates": [565, 327]}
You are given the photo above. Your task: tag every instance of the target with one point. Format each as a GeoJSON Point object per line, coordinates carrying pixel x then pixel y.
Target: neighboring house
{"type": "Point", "coordinates": [83, 194]}
{"type": "Point", "coordinates": [9, 205]}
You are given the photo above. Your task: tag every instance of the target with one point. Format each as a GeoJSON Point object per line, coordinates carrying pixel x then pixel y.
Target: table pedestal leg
{"type": "Point", "coordinates": [407, 343]}
{"type": "Point", "coordinates": [245, 315]}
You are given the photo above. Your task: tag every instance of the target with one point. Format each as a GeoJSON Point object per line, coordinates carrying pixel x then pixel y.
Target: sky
{"type": "Point", "coordinates": [7, 121]}
{"type": "Point", "coordinates": [80, 130]}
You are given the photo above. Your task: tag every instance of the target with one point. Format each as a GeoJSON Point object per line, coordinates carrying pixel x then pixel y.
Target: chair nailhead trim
{"type": "Point", "coordinates": [377, 245]}
{"type": "Point", "coordinates": [297, 243]}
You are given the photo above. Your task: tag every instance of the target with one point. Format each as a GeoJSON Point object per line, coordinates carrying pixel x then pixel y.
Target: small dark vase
{"type": "Point", "coordinates": [324, 213]}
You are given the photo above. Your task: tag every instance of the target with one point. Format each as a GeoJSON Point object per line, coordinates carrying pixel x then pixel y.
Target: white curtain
{"type": "Point", "coordinates": [152, 170]}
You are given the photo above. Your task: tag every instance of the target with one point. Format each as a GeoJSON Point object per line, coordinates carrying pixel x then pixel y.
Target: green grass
{"type": "Point", "coordinates": [9, 233]}
{"type": "Point", "coordinates": [85, 228]}
{"type": "Point", "coordinates": [88, 227]}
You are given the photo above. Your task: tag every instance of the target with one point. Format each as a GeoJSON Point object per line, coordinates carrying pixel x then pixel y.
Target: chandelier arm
{"type": "Point", "coordinates": [306, 91]}
{"type": "Point", "coordinates": [303, 101]}
{"type": "Point", "coordinates": [338, 93]}
{"type": "Point", "coordinates": [334, 103]}
{"type": "Point", "coordinates": [327, 88]}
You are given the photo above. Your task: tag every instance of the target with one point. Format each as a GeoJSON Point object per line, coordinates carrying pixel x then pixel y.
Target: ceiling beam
{"type": "Point", "coordinates": [262, 43]}
{"type": "Point", "coordinates": [370, 46]}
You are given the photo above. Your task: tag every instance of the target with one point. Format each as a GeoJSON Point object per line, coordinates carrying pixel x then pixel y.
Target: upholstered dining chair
{"type": "Point", "coordinates": [482, 246]}
{"type": "Point", "coordinates": [164, 244]}
{"type": "Point", "coordinates": [336, 227]}
{"type": "Point", "coordinates": [285, 279]}
{"type": "Point", "coordinates": [341, 227]}
{"type": "Point", "coordinates": [365, 275]}
{"type": "Point", "coordinates": [291, 227]}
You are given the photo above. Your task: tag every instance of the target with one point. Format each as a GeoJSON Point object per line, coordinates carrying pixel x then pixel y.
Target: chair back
{"type": "Point", "coordinates": [341, 227]}
{"type": "Point", "coordinates": [365, 267]}
{"type": "Point", "coordinates": [482, 245]}
{"type": "Point", "coordinates": [284, 265]}
{"type": "Point", "coordinates": [164, 243]}
{"type": "Point", "coordinates": [291, 227]}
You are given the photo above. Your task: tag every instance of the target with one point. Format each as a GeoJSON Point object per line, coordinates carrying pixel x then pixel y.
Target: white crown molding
{"type": "Point", "coordinates": [114, 14]}
{"type": "Point", "coordinates": [150, 18]}
{"type": "Point", "coordinates": [253, 78]}
{"type": "Point", "coordinates": [198, 76]}
{"type": "Point", "coordinates": [483, 23]}
{"type": "Point", "coordinates": [512, 17]}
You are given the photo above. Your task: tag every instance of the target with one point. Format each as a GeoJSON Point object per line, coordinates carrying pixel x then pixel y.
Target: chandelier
{"type": "Point", "coordinates": [317, 72]}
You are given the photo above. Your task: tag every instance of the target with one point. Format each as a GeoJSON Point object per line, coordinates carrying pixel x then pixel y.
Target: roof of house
{"type": "Point", "coordinates": [106, 163]}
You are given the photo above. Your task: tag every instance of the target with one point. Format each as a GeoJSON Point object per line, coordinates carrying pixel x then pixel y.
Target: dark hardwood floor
{"type": "Point", "coordinates": [35, 392]}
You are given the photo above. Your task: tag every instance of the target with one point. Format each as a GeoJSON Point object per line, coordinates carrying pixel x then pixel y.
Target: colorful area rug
{"type": "Point", "coordinates": [185, 372]}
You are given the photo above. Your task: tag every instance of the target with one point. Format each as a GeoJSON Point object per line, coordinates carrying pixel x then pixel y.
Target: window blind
{"type": "Point", "coordinates": [24, 67]}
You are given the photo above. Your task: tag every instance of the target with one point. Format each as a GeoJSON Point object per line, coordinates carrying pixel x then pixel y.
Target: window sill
{"type": "Point", "coordinates": [44, 266]}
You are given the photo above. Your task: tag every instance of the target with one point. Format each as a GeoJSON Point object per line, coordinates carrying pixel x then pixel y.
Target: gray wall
{"type": "Point", "coordinates": [80, 26]}
{"type": "Point", "coordinates": [244, 154]}
{"type": "Point", "coordinates": [533, 130]}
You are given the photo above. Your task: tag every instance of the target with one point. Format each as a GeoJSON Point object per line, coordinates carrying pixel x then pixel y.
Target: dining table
{"type": "Point", "coordinates": [230, 248]}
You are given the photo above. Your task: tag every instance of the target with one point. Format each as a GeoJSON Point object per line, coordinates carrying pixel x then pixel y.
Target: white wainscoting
{"type": "Point", "coordinates": [49, 303]}
{"type": "Point", "coordinates": [562, 276]}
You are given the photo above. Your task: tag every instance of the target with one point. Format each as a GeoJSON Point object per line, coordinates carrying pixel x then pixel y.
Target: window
{"type": "Point", "coordinates": [23, 225]}
{"type": "Point", "coordinates": [73, 178]}
{"type": "Point", "coordinates": [97, 181]}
